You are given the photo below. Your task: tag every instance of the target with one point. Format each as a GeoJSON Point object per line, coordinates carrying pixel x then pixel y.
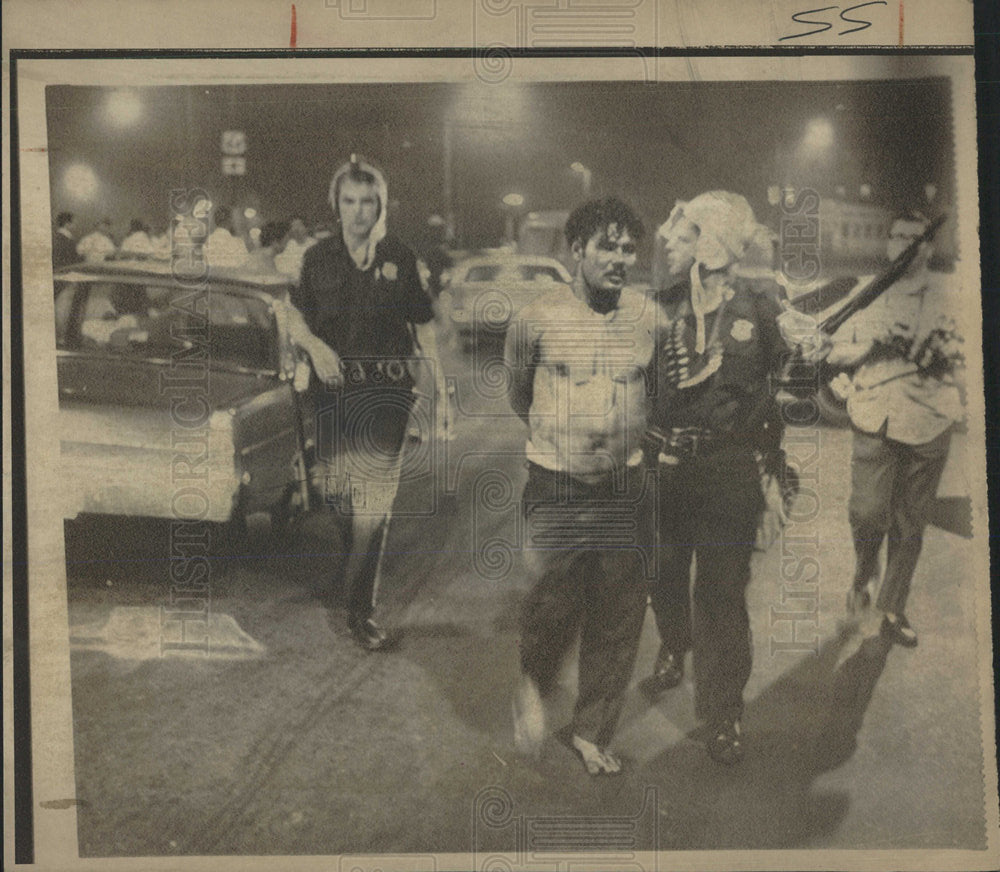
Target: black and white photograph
{"type": "Point", "coordinates": [515, 462]}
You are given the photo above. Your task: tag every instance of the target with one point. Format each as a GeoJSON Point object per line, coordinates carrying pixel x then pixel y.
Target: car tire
{"type": "Point", "coordinates": [832, 409]}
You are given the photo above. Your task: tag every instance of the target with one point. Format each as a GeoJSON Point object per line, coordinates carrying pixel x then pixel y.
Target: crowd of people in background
{"type": "Point", "coordinates": [268, 247]}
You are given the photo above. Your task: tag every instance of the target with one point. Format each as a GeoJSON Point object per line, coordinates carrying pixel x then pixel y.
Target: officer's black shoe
{"type": "Point", "coordinates": [725, 744]}
{"type": "Point", "coordinates": [668, 671]}
{"type": "Point", "coordinates": [368, 634]}
{"type": "Point", "coordinates": [898, 630]}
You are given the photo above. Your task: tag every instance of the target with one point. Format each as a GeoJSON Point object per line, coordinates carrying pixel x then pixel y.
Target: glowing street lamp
{"type": "Point", "coordinates": [814, 151]}
{"type": "Point", "coordinates": [511, 202]}
{"type": "Point", "coordinates": [818, 137]}
{"type": "Point", "coordinates": [124, 107]}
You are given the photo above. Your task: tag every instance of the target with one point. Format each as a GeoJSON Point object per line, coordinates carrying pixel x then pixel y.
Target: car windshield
{"type": "Point", "coordinates": [539, 273]}
{"type": "Point", "coordinates": [483, 273]}
{"type": "Point", "coordinates": [507, 272]}
{"type": "Point", "coordinates": [162, 322]}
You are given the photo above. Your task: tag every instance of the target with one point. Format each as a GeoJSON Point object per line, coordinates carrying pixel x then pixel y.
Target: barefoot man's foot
{"type": "Point", "coordinates": [597, 761]}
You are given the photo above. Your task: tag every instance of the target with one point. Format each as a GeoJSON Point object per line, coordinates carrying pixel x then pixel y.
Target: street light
{"type": "Point", "coordinates": [124, 107]}
{"type": "Point", "coordinates": [818, 137]}
{"type": "Point", "coordinates": [476, 113]}
{"type": "Point", "coordinates": [585, 174]}
{"type": "Point", "coordinates": [512, 202]}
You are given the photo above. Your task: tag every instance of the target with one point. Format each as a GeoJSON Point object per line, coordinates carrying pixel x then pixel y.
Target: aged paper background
{"type": "Point", "coordinates": [423, 23]}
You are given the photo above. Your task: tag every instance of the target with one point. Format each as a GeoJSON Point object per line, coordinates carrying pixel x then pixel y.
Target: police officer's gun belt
{"type": "Point", "coordinates": [375, 371]}
{"type": "Point", "coordinates": [681, 443]}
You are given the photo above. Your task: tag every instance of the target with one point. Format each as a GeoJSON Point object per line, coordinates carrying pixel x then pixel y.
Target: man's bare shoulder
{"type": "Point", "coordinates": [553, 305]}
{"type": "Point", "coordinates": [638, 305]}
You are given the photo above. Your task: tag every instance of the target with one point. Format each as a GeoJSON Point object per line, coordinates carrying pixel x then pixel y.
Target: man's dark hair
{"type": "Point", "coordinates": [137, 225]}
{"type": "Point", "coordinates": [64, 218]}
{"type": "Point", "coordinates": [598, 215]}
{"type": "Point", "coordinates": [273, 231]}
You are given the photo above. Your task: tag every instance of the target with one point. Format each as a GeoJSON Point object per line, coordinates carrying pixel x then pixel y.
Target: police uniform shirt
{"type": "Point", "coordinates": [732, 399]}
{"type": "Point", "coordinates": [362, 313]}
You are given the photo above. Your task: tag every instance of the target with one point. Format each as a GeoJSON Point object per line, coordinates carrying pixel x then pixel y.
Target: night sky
{"type": "Point", "coordinates": [650, 143]}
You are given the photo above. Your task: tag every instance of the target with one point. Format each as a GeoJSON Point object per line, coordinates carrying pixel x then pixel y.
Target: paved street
{"type": "Point", "coordinates": [288, 739]}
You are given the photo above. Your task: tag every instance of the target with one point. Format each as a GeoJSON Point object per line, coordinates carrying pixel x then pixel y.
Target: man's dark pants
{"type": "Point", "coordinates": [892, 488]}
{"type": "Point", "coordinates": [584, 548]}
{"type": "Point", "coordinates": [708, 510]}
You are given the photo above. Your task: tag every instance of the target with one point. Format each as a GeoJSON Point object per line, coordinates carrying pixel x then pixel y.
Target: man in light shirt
{"type": "Point", "coordinates": [137, 243]}
{"type": "Point", "coordinates": [904, 399]}
{"type": "Point", "coordinates": [222, 248]}
{"type": "Point", "coordinates": [289, 261]}
{"type": "Point", "coordinates": [578, 357]}
{"type": "Point", "coordinates": [271, 242]}
{"type": "Point", "coordinates": [97, 245]}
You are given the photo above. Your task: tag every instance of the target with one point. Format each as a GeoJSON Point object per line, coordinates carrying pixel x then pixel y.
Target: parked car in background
{"type": "Point", "coordinates": [177, 400]}
{"type": "Point", "coordinates": [485, 292]}
{"type": "Point", "coordinates": [543, 233]}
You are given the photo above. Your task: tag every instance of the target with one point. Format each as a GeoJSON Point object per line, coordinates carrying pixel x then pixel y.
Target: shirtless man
{"type": "Point", "coordinates": [578, 357]}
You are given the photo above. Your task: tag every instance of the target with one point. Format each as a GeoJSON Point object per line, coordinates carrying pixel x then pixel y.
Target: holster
{"type": "Point", "coordinates": [679, 444]}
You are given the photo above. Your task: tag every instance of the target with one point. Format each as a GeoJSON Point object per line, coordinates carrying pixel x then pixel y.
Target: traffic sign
{"type": "Point", "coordinates": [234, 142]}
{"type": "Point", "coordinates": [234, 166]}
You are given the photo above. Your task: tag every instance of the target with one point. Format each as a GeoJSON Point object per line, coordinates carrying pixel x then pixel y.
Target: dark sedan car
{"type": "Point", "coordinates": [177, 400]}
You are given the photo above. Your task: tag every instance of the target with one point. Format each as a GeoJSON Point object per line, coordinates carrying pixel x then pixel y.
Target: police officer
{"type": "Point", "coordinates": [356, 309]}
{"type": "Point", "coordinates": [712, 419]}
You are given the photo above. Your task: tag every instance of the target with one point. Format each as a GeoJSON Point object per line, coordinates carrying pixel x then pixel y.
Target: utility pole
{"type": "Point", "coordinates": [446, 192]}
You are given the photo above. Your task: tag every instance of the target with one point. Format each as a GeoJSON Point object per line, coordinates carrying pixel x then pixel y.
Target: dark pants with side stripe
{"type": "Point", "coordinates": [708, 513]}
{"type": "Point", "coordinates": [584, 548]}
{"type": "Point", "coordinates": [360, 436]}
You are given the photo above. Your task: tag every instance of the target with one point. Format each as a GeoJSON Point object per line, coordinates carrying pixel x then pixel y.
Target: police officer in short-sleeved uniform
{"type": "Point", "coordinates": [360, 296]}
{"type": "Point", "coordinates": [714, 417]}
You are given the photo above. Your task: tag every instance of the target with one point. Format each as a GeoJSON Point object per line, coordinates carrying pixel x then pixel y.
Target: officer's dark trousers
{"type": "Point", "coordinates": [584, 548]}
{"type": "Point", "coordinates": [708, 511]}
{"type": "Point", "coordinates": [360, 435]}
{"type": "Point", "coordinates": [892, 487]}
